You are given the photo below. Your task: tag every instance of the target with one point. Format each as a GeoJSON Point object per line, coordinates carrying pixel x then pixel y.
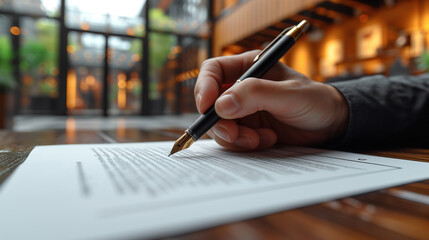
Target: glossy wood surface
{"type": "Point", "coordinates": [400, 212]}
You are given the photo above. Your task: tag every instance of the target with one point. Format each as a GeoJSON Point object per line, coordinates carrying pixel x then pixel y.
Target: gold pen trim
{"type": "Point", "coordinates": [184, 142]}
{"type": "Point", "coordinates": [295, 32]}
{"type": "Point", "coordinates": [187, 139]}
{"type": "Point", "coordinates": [284, 32]}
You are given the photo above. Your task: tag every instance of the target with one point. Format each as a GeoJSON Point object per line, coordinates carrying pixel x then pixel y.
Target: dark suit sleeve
{"type": "Point", "coordinates": [386, 111]}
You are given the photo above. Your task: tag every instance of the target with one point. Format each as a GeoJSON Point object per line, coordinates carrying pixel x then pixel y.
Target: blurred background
{"type": "Point", "coordinates": [141, 58]}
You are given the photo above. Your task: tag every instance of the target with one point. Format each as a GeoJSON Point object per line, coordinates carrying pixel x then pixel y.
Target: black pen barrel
{"type": "Point", "coordinates": [269, 58]}
{"type": "Point", "coordinates": [203, 123]}
{"type": "Point", "coordinates": [258, 69]}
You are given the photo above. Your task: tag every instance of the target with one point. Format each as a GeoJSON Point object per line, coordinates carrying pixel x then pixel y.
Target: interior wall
{"type": "Point", "coordinates": [334, 50]}
{"type": "Point", "coordinates": [410, 18]}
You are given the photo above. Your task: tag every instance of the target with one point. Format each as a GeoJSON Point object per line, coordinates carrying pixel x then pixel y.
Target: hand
{"type": "Point", "coordinates": [285, 107]}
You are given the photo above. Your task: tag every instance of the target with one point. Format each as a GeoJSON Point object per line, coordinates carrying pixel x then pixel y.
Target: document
{"type": "Point", "coordinates": [133, 190]}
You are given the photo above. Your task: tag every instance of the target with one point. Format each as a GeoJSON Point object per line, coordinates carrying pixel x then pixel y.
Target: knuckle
{"type": "Point", "coordinates": [293, 83]}
{"type": "Point", "coordinates": [211, 62]}
{"type": "Point", "coordinates": [253, 85]}
{"type": "Point", "coordinates": [207, 62]}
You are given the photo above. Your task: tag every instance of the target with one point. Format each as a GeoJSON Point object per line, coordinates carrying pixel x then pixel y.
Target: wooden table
{"type": "Point", "coordinates": [394, 213]}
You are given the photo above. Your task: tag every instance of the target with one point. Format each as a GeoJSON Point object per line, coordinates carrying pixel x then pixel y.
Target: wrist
{"type": "Point", "coordinates": [341, 114]}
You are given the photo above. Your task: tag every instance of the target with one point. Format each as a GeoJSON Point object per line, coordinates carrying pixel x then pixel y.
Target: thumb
{"type": "Point", "coordinates": [253, 94]}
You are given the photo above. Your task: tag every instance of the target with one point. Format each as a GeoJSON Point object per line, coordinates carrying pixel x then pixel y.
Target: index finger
{"type": "Point", "coordinates": [217, 74]}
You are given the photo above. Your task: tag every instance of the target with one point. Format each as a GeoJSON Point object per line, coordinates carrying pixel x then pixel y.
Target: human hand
{"type": "Point", "coordinates": [285, 107]}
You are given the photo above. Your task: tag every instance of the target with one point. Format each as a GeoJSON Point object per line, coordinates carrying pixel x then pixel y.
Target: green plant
{"type": "Point", "coordinates": [46, 88]}
{"type": "Point", "coordinates": [159, 43]}
{"type": "Point", "coordinates": [7, 82]}
{"type": "Point", "coordinates": [33, 53]}
{"type": "Point", "coordinates": [39, 58]}
{"type": "Point", "coordinates": [48, 37]}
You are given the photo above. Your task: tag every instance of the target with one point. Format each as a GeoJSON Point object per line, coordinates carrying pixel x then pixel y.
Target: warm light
{"type": "Point", "coordinates": [332, 52]}
{"type": "Point", "coordinates": [52, 81]}
{"type": "Point", "coordinates": [27, 80]}
{"type": "Point", "coordinates": [195, 72]}
{"type": "Point", "coordinates": [176, 49]}
{"type": "Point", "coordinates": [122, 84]}
{"type": "Point", "coordinates": [136, 57]}
{"type": "Point", "coordinates": [122, 80]}
{"type": "Point", "coordinates": [71, 89]}
{"type": "Point", "coordinates": [15, 30]}
{"type": "Point", "coordinates": [181, 77]}
{"type": "Point", "coordinates": [130, 31]}
{"type": "Point", "coordinates": [90, 80]}
{"type": "Point", "coordinates": [70, 130]}
{"type": "Point", "coordinates": [121, 128]}
{"type": "Point", "coordinates": [83, 86]}
{"type": "Point", "coordinates": [230, 3]}
{"type": "Point", "coordinates": [130, 85]}
{"type": "Point", "coordinates": [84, 26]}
{"type": "Point", "coordinates": [363, 18]}
{"type": "Point", "coordinates": [71, 49]}
{"type": "Point", "coordinates": [187, 75]}
{"type": "Point", "coordinates": [370, 40]}
{"type": "Point", "coordinates": [122, 93]}
{"type": "Point", "coordinates": [417, 43]}
{"type": "Point", "coordinates": [401, 41]}
{"type": "Point", "coordinates": [122, 98]}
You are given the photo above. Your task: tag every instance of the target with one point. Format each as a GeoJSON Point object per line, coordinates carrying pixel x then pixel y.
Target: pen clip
{"type": "Point", "coordinates": [271, 44]}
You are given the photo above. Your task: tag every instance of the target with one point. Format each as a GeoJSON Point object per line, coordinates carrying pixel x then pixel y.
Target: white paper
{"type": "Point", "coordinates": [134, 190]}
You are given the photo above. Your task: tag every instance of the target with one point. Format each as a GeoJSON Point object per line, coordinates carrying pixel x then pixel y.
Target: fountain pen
{"type": "Point", "coordinates": [261, 64]}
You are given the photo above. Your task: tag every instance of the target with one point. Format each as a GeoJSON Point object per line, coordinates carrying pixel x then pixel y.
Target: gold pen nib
{"type": "Point", "coordinates": [183, 142]}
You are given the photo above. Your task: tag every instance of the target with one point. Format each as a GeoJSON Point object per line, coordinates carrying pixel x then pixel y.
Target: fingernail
{"type": "Point", "coordinates": [227, 104]}
{"type": "Point", "coordinates": [243, 142]}
{"type": "Point", "coordinates": [222, 133]}
{"type": "Point", "coordinates": [198, 100]}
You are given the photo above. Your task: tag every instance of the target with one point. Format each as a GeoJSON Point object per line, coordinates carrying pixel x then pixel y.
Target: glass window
{"type": "Point", "coordinates": [38, 7]}
{"type": "Point", "coordinates": [85, 75]}
{"type": "Point", "coordinates": [124, 17]}
{"type": "Point", "coordinates": [194, 52]}
{"type": "Point", "coordinates": [174, 67]}
{"type": "Point", "coordinates": [38, 64]}
{"type": "Point", "coordinates": [163, 67]}
{"type": "Point", "coordinates": [181, 16]}
{"type": "Point", "coordinates": [6, 54]}
{"type": "Point", "coordinates": [173, 59]}
{"type": "Point", "coordinates": [125, 67]}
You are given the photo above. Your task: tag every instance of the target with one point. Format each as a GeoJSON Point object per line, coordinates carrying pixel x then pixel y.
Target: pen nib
{"type": "Point", "coordinates": [183, 142]}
